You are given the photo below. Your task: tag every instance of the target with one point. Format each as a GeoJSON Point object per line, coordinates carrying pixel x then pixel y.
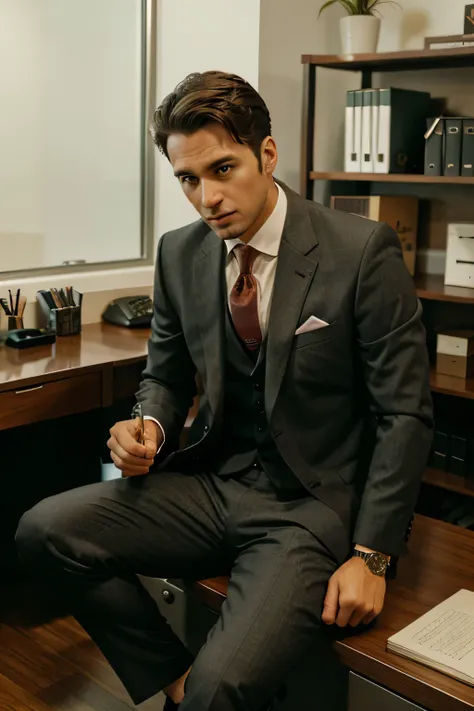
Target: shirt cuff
{"type": "Point", "coordinates": [147, 417]}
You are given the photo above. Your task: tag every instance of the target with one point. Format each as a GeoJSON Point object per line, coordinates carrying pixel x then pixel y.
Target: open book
{"type": "Point", "coordinates": [443, 638]}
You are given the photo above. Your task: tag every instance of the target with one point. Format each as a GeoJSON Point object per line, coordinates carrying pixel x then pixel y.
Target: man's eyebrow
{"type": "Point", "coordinates": [212, 166]}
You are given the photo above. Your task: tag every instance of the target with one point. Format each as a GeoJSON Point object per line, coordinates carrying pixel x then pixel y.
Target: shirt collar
{"type": "Point", "coordinates": [267, 239]}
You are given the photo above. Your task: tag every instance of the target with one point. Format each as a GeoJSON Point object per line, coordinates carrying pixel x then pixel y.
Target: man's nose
{"type": "Point", "coordinates": [211, 195]}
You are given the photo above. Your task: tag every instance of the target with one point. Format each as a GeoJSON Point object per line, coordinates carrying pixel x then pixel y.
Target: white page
{"type": "Point", "coordinates": [445, 635]}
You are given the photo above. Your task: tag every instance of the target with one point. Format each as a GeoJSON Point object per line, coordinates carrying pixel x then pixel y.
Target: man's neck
{"type": "Point", "coordinates": [267, 210]}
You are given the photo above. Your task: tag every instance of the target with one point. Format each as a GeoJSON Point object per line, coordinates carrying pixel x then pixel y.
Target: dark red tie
{"type": "Point", "coordinates": [244, 300]}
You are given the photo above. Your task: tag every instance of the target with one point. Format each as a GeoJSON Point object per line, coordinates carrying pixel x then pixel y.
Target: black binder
{"type": "Point", "coordinates": [467, 163]}
{"type": "Point", "coordinates": [453, 144]}
{"type": "Point", "coordinates": [434, 148]}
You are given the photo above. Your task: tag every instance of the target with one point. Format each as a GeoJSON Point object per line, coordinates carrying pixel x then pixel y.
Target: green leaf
{"type": "Point", "coordinates": [327, 4]}
{"type": "Point", "coordinates": [359, 7]}
{"type": "Point", "coordinates": [350, 6]}
{"type": "Point", "coordinates": [388, 2]}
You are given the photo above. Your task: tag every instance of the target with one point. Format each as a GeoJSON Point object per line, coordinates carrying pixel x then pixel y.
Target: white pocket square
{"type": "Point", "coordinates": [312, 324]}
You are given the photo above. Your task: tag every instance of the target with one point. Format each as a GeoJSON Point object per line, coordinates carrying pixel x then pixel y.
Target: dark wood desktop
{"type": "Point", "coordinates": [76, 374]}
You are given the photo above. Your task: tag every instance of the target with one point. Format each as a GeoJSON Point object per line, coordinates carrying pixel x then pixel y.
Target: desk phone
{"type": "Point", "coordinates": [130, 311]}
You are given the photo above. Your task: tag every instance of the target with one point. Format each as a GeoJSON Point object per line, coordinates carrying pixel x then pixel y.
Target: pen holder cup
{"type": "Point", "coordinates": [65, 321]}
{"type": "Point", "coordinates": [15, 322]}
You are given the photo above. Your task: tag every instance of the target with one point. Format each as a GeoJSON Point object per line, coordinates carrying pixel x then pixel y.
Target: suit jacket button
{"type": "Point", "coordinates": [206, 428]}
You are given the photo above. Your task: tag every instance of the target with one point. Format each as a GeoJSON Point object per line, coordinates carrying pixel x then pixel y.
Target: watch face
{"type": "Point", "coordinates": [377, 564]}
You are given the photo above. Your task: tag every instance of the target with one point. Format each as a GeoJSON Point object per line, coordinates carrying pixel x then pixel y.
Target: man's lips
{"type": "Point", "coordinates": [220, 218]}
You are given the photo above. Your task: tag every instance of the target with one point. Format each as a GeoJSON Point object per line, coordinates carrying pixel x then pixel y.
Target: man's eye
{"type": "Point", "coordinates": [224, 169]}
{"type": "Point", "coordinates": [190, 179]}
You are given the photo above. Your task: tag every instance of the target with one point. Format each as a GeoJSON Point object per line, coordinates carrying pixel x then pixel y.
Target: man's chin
{"type": "Point", "coordinates": [226, 233]}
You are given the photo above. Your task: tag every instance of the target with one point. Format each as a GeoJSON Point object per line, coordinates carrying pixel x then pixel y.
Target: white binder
{"type": "Point", "coordinates": [358, 129]}
{"type": "Point", "coordinates": [382, 162]}
{"type": "Point", "coordinates": [367, 161]}
{"type": "Point", "coordinates": [375, 125]}
{"type": "Point", "coordinates": [352, 147]}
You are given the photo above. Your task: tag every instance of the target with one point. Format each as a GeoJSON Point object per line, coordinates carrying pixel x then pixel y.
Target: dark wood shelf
{"type": "Point", "coordinates": [395, 61]}
{"type": "Point", "coordinates": [451, 482]}
{"type": "Point", "coordinates": [450, 385]}
{"type": "Point", "coordinates": [432, 286]}
{"type": "Point", "coordinates": [390, 178]}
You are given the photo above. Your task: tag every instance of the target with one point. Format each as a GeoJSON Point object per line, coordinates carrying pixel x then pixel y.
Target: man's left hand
{"type": "Point", "coordinates": [354, 595]}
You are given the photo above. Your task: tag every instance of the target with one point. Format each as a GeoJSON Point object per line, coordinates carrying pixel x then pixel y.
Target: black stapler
{"type": "Point", "coordinates": [29, 337]}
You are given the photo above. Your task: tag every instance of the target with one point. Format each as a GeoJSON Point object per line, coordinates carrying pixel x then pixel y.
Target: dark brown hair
{"type": "Point", "coordinates": [213, 97]}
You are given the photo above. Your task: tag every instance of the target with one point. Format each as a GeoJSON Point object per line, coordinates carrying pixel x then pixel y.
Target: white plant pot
{"type": "Point", "coordinates": [360, 34]}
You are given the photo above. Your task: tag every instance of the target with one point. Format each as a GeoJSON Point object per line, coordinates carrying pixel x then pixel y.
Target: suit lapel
{"type": "Point", "coordinates": [297, 265]}
{"type": "Point", "coordinates": [209, 295]}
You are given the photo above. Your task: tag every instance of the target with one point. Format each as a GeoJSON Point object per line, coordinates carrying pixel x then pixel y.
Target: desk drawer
{"type": "Point", "coordinates": [365, 694]}
{"type": "Point", "coordinates": [59, 398]}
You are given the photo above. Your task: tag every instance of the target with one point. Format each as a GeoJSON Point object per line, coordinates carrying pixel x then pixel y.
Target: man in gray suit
{"type": "Point", "coordinates": [304, 462]}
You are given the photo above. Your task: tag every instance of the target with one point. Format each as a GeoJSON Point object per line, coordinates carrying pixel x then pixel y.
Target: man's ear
{"type": "Point", "coordinates": [269, 155]}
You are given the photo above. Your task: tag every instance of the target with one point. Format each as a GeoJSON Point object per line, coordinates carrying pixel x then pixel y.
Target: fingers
{"type": "Point", "coordinates": [365, 612]}
{"type": "Point", "coordinates": [331, 602]}
{"type": "Point", "coordinates": [124, 433]}
{"type": "Point", "coordinates": [127, 454]}
{"type": "Point", "coordinates": [370, 617]}
{"type": "Point", "coordinates": [358, 615]}
{"type": "Point", "coordinates": [347, 606]}
{"type": "Point", "coordinates": [128, 460]}
{"type": "Point", "coordinates": [128, 470]}
{"type": "Point", "coordinates": [377, 608]}
{"type": "Point", "coordinates": [152, 438]}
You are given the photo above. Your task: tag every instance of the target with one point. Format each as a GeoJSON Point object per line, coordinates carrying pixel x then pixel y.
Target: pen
{"type": "Point", "coordinates": [17, 301]}
{"type": "Point", "coordinates": [140, 431]}
{"type": "Point", "coordinates": [11, 301]}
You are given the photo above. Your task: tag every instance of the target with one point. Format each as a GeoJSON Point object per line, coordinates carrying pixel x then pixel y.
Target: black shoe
{"type": "Point", "coordinates": [170, 705]}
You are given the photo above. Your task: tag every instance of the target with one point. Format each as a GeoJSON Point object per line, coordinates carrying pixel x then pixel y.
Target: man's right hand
{"type": "Point", "coordinates": [128, 455]}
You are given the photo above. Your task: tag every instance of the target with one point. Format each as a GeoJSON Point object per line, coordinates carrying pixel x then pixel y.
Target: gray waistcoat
{"type": "Point", "coordinates": [246, 439]}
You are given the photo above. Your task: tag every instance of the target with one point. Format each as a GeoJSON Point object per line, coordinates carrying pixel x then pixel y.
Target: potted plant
{"type": "Point", "coordinates": [361, 28]}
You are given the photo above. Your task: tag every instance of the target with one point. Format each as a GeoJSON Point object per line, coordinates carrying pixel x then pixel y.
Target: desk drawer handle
{"type": "Point", "coordinates": [28, 390]}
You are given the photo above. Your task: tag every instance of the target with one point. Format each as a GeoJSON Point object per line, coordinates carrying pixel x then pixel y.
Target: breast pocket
{"type": "Point", "coordinates": [318, 336]}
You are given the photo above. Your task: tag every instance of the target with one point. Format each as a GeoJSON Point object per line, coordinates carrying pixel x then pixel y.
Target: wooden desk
{"type": "Point", "coordinates": [75, 374]}
{"type": "Point", "coordinates": [441, 561]}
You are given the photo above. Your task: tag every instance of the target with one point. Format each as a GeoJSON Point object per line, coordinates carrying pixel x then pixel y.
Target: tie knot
{"type": "Point", "coordinates": [246, 256]}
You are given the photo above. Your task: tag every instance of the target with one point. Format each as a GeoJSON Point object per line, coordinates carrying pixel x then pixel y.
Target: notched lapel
{"type": "Point", "coordinates": [297, 265]}
{"type": "Point", "coordinates": [208, 290]}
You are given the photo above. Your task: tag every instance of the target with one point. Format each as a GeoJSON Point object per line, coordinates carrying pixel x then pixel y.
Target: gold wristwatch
{"type": "Point", "coordinates": [377, 563]}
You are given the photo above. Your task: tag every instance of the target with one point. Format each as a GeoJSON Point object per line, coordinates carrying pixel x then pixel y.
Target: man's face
{"type": "Point", "coordinates": [223, 181]}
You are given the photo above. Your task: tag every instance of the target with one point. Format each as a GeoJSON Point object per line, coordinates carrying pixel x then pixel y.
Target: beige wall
{"type": "Point", "coordinates": [196, 37]}
{"type": "Point", "coordinates": [287, 29]}
{"type": "Point", "coordinates": [407, 28]}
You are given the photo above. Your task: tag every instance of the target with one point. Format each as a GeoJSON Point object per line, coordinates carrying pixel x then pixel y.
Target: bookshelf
{"type": "Point", "coordinates": [449, 385]}
{"type": "Point", "coordinates": [438, 298]}
{"type": "Point", "coordinates": [368, 64]}
{"type": "Point", "coordinates": [433, 288]}
{"type": "Point", "coordinates": [395, 61]}
{"type": "Point", "coordinates": [450, 482]}
{"type": "Point", "coordinates": [390, 178]}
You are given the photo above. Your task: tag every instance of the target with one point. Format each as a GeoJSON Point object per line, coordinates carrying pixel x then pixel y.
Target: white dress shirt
{"type": "Point", "coordinates": [267, 243]}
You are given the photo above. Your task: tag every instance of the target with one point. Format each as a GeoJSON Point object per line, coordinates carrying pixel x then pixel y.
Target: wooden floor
{"type": "Point", "coordinates": [48, 663]}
